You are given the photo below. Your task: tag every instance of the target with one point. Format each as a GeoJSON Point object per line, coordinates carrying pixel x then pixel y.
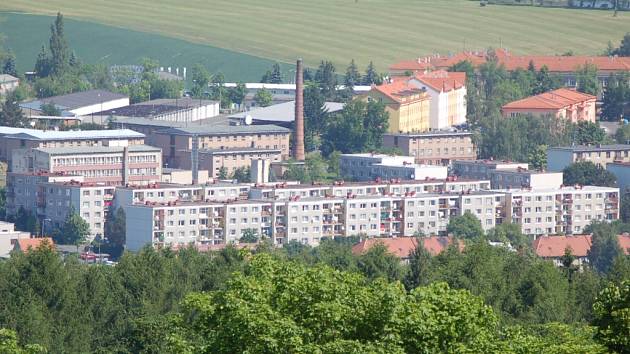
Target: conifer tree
{"type": "Point", "coordinates": [60, 57]}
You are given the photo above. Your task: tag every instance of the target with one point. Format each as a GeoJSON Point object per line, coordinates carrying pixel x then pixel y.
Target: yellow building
{"type": "Point", "coordinates": [407, 105]}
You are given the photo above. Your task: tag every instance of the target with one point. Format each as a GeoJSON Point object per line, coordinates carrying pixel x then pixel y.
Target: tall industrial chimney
{"type": "Point", "coordinates": [299, 112]}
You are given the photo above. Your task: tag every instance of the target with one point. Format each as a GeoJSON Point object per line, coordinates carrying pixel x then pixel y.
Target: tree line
{"type": "Point", "coordinates": [315, 299]}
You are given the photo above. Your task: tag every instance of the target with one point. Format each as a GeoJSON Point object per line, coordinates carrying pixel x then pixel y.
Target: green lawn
{"type": "Point", "coordinates": [24, 34]}
{"type": "Point", "coordinates": [381, 30]}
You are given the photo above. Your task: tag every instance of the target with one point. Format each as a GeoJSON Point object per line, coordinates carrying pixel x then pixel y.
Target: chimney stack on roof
{"type": "Point", "coordinates": [299, 112]}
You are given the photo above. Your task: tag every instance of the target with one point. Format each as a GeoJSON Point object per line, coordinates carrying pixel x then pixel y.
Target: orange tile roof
{"type": "Point", "coordinates": [554, 246]}
{"type": "Point", "coordinates": [401, 247]}
{"type": "Point", "coordinates": [443, 81]}
{"type": "Point", "coordinates": [555, 63]}
{"type": "Point", "coordinates": [555, 99]}
{"type": "Point", "coordinates": [399, 87]}
{"type": "Point", "coordinates": [27, 244]}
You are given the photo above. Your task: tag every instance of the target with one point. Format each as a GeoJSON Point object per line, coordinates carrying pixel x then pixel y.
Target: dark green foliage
{"type": "Point", "coordinates": [50, 109]}
{"type": "Point", "coordinates": [418, 273]}
{"type": "Point", "coordinates": [201, 79]}
{"type": "Point", "coordinates": [377, 262]}
{"type": "Point", "coordinates": [466, 226]}
{"type": "Point", "coordinates": [273, 76]}
{"type": "Point", "coordinates": [315, 114]}
{"type": "Point", "coordinates": [60, 54]}
{"type": "Point", "coordinates": [612, 311]}
{"type": "Point", "coordinates": [537, 159]}
{"type": "Point", "coordinates": [352, 77]}
{"type": "Point", "coordinates": [586, 76]}
{"type": "Point", "coordinates": [372, 77]}
{"type": "Point", "coordinates": [587, 173]}
{"type": "Point", "coordinates": [509, 233]}
{"type": "Point", "coordinates": [74, 230]}
{"type": "Point", "coordinates": [25, 221]}
{"type": "Point", "coordinates": [622, 135]}
{"type": "Point", "coordinates": [115, 231]}
{"type": "Point", "coordinates": [3, 203]}
{"type": "Point", "coordinates": [223, 173]}
{"type": "Point", "coordinates": [359, 127]}
{"type": "Point", "coordinates": [604, 246]}
{"type": "Point", "coordinates": [326, 80]}
{"type": "Point", "coordinates": [241, 174]}
{"type": "Point", "coordinates": [11, 114]}
{"type": "Point", "coordinates": [624, 212]}
{"type": "Point", "coordinates": [8, 67]}
{"type": "Point", "coordinates": [616, 100]}
{"type": "Point", "coordinates": [263, 98]}
{"type": "Point", "coordinates": [237, 94]}
{"type": "Point", "coordinates": [249, 236]}
{"type": "Point", "coordinates": [624, 48]}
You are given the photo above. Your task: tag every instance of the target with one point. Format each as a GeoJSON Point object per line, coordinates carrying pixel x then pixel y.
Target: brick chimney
{"type": "Point", "coordinates": [298, 153]}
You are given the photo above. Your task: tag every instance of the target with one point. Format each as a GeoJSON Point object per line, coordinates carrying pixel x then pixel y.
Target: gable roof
{"type": "Point", "coordinates": [555, 63]}
{"type": "Point", "coordinates": [4, 78]}
{"type": "Point", "coordinates": [76, 100]}
{"type": "Point", "coordinates": [398, 88]}
{"type": "Point", "coordinates": [554, 246]}
{"type": "Point", "coordinates": [442, 81]}
{"type": "Point", "coordinates": [26, 244]}
{"type": "Point", "coordinates": [401, 247]}
{"type": "Point", "coordinates": [46, 135]}
{"type": "Point", "coordinates": [222, 129]}
{"type": "Point", "coordinates": [282, 112]}
{"type": "Point", "coordinates": [555, 99]}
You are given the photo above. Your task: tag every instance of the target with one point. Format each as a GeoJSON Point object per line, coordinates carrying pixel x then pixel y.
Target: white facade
{"type": "Point", "coordinates": [8, 238]}
{"type": "Point", "coordinates": [99, 107]}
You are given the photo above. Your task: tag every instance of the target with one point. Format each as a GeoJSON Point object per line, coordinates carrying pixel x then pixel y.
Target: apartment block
{"type": "Point", "coordinates": [22, 138]}
{"type": "Point", "coordinates": [365, 167]}
{"type": "Point", "coordinates": [566, 210]}
{"type": "Point", "coordinates": [560, 157]}
{"type": "Point", "coordinates": [231, 159]}
{"type": "Point", "coordinates": [26, 190]}
{"type": "Point", "coordinates": [112, 165]}
{"type": "Point", "coordinates": [177, 143]}
{"type": "Point", "coordinates": [434, 148]}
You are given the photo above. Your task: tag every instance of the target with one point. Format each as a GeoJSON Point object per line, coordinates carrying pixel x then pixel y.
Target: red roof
{"type": "Point", "coordinates": [401, 247]}
{"type": "Point", "coordinates": [398, 88]}
{"type": "Point", "coordinates": [555, 99]}
{"type": "Point", "coordinates": [554, 63]}
{"type": "Point", "coordinates": [554, 246]}
{"type": "Point", "coordinates": [25, 244]}
{"type": "Point", "coordinates": [443, 81]}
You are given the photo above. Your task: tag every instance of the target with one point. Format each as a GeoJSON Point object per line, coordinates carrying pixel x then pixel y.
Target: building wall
{"type": "Point", "coordinates": [434, 149]}
{"type": "Point", "coordinates": [558, 159]}
{"type": "Point", "coordinates": [575, 113]}
{"type": "Point", "coordinates": [99, 107]}
{"type": "Point", "coordinates": [622, 172]}
{"type": "Point", "coordinates": [6, 87]}
{"type": "Point", "coordinates": [411, 114]}
{"type": "Point", "coordinates": [8, 238]}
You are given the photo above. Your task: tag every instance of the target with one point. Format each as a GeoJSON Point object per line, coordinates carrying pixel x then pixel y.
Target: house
{"type": "Point", "coordinates": [561, 103]}
{"type": "Point", "coordinates": [408, 105]}
{"type": "Point", "coordinates": [8, 83]}
{"type": "Point", "coordinates": [448, 97]}
{"type": "Point", "coordinates": [562, 156]}
{"type": "Point", "coordinates": [554, 247]}
{"type": "Point", "coordinates": [78, 104]}
{"type": "Point", "coordinates": [402, 247]}
{"type": "Point", "coordinates": [24, 245]}
{"type": "Point", "coordinates": [8, 237]}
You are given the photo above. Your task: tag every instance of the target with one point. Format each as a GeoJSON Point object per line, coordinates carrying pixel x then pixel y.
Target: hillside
{"type": "Point", "coordinates": [380, 30]}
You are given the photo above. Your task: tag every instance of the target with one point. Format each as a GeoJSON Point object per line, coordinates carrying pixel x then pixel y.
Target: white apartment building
{"type": "Point", "coordinates": [366, 167]}
{"type": "Point", "coordinates": [566, 210]}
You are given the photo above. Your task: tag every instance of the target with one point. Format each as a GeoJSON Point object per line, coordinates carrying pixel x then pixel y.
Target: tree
{"type": "Point", "coordinates": [60, 54]}
{"type": "Point", "coordinates": [241, 174]}
{"type": "Point", "coordinates": [604, 247]}
{"type": "Point", "coordinates": [74, 230]}
{"type": "Point", "coordinates": [3, 203]}
{"type": "Point", "coordinates": [509, 233]}
{"type": "Point", "coordinates": [115, 231]}
{"type": "Point", "coordinates": [352, 77]}
{"type": "Point", "coordinates": [589, 133]}
{"type": "Point", "coordinates": [237, 94]}
{"type": "Point", "coordinates": [616, 97]}
{"type": "Point", "coordinates": [50, 109]}
{"type": "Point", "coordinates": [9, 344]}
{"type": "Point", "coordinates": [276, 74]}
{"type": "Point", "coordinates": [358, 127]}
{"type": "Point", "coordinates": [624, 47]}
{"type": "Point", "coordinates": [378, 262]}
{"type": "Point", "coordinates": [11, 114]}
{"type": "Point", "coordinates": [42, 64]}
{"type": "Point", "coordinates": [326, 80]}
{"type": "Point", "coordinates": [419, 267]}
{"type": "Point", "coordinates": [622, 135]}
{"type": "Point", "coordinates": [466, 226]}
{"type": "Point", "coordinates": [315, 114]}
{"type": "Point", "coordinates": [263, 98]}
{"type": "Point", "coordinates": [612, 317]}
{"type": "Point", "coordinates": [201, 79]}
{"type": "Point", "coordinates": [9, 66]}
{"type": "Point", "coordinates": [537, 159]}
{"type": "Point", "coordinates": [586, 77]}
{"type": "Point", "coordinates": [624, 213]}
{"type": "Point", "coordinates": [249, 236]}
{"type": "Point", "coordinates": [223, 173]}
{"type": "Point", "coordinates": [587, 173]}
{"type": "Point", "coordinates": [371, 77]}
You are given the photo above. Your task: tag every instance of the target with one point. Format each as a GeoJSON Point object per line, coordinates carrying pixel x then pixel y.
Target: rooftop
{"type": "Point", "coordinates": [399, 89]}
{"type": "Point", "coordinates": [555, 99]}
{"type": "Point", "coordinates": [438, 133]}
{"type": "Point", "coordinates": [402, 247]}
{"type": "Point", "coordinates": [4, 78]}
{"type": "Point", "coordinates": [226, 130]}
{"type": "Point", "coordinates": [47, 135]}
{"type": "Point", "coordinates": [442, 81]}
{"type": "Point", "coordinates": [76, 100]}
{"type": "Point", "coordinates": [559, 190]}
{"type": "Point", "coordinates": [237, 150]}
{"type": "Point", "coordinates": [121, 121]}
{"type": "Point", "coordinates": [554, 246]}
{"type": "Point", "coordinates": [157, 107]}
{"type": "Point", "coordinates": [282, 112]}
{"type": "Point", "coordinates": [592, 148]}
{"type": "Point", "coordinates": [96, 149]}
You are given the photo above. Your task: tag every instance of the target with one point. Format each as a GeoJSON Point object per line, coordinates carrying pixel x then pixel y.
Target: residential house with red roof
{"type": "Point", "coordinates": [561, 103]}
{"type": "Point", "coordinates": [402, 247]}
{"type": "Point", "coordinates": [448, 97]}
{"type": "Point", "coordinates": [25, 245]}
{"type": "Point", "coordinates": [407, 104]}
{"type": "Point", "coordinates": [565, 66]}
{"type": "Point", "coordinates": [553, 247]}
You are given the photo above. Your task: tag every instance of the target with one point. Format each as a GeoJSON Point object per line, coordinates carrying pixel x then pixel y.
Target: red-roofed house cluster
{"type": "Point", "coordinates": [561, 103]}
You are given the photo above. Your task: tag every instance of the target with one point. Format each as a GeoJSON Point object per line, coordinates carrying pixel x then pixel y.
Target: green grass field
{"type": "Point", "coordinates": [381, 30]}
{"type": "Point", "coordinates": [95, 43]}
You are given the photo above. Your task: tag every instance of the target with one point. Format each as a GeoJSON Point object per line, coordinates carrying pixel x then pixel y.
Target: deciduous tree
{"type": "Point", "coordinates": [587, 173]}
{"type": "Point", "coordinates": [466, 226]}
{"type": "Point", "coordinates": [263, 98]}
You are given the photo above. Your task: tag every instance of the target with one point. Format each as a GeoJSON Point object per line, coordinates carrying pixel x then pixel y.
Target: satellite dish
{"type": "Point", "coordinates": [248, 119]}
